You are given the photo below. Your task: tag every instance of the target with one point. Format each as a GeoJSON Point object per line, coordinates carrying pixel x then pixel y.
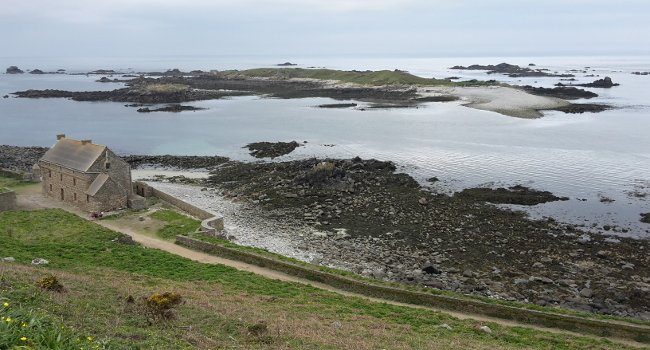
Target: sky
{"type": "Point", "coordinates": [289, 28]}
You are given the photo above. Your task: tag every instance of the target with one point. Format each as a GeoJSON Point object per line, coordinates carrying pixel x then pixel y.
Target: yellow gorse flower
{"type": "Point", "coordinates": [5, 304]}
{"type": "Point", "coordinates": [23, 338]}
{"type": "Point", "coordinates": [89, 338]}
{"type": "Point", "coordinates": [8, 320]}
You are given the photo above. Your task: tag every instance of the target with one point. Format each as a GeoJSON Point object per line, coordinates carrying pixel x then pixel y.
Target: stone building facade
{"type": "Point", "coordinates": [87, 175]}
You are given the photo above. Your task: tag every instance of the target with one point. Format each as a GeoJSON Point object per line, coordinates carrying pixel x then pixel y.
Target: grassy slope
{"type": "Point", "coordinates": [383, 77]}
{"type": "Point", "coordinates": [221, 303]}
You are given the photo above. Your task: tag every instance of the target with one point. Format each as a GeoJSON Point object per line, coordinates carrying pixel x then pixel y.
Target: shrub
{"type": "Point", "coordinates": [51, 283]}
{"type": "Point", "coordinates": [160, 306]}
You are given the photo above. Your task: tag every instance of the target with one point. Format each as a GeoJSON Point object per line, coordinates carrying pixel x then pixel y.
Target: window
{"type": "Point", "coordinates": [49, 173]}
{"type": "Point", "coordinates": [75, 196]}
{"type": "Point", "coordinates": [61, 177]}
{"type": "Point", "coordinates": [50, 187]}
{"type": "Point", "coordinates": [107, 165]}
{"type": "Point", "coordinates": [87, 198]}
{"type": "Point", "coordinates": [74, 183]}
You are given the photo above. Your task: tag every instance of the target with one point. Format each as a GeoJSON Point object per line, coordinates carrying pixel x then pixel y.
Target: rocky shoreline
{"type": "Point", "coordinates": [361, 216]}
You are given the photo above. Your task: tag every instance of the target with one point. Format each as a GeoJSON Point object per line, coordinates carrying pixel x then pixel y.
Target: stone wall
{"type": "Point", "coordinates": [7, 200]}
{"type": "Point", "coordinates": [211, 222]}
{"type": "Point", "coordinates": [597, 327]}
{"type": "Point", "coordinates": [73, 183]}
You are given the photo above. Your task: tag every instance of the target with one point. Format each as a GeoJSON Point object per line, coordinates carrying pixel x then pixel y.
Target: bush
{"type": "Point", "coordinates": [160, 306]}
{"type": "Point", "coordinates": [51, 283]}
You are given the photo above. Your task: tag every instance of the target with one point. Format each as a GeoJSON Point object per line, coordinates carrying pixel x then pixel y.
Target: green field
{"type": "Point", "coordinates": [383, 77]}
{"type": "Point", "coordinates": [105, 282]}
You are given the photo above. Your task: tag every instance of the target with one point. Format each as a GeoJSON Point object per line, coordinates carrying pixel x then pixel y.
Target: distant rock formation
{"type": "Point", "coordinates": [14, 70]}
{"type": "Point", "coordinates": [37, 71]}
{"type": "Point", "coordinates": [512, 70]}
{"type": "Point", "coordinates": [286, 64]}
{"type": "Point", "coordinates": [604, 83]}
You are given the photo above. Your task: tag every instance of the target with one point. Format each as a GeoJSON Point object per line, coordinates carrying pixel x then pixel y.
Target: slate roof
{"type": "Point", "coordinates": [72, 154]}
{"type": "Point", "coordinates": [100, 180]}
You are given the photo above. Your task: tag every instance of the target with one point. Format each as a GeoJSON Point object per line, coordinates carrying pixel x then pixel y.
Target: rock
{"type": "Point", "coordinates": [422, 201]}
{"type": "Point", "coordinates": [645, 218]}
{"type": "Point", "coordinates": [468, 273]}
{"type": "Point", "coordinates": [586, 292]}
{"type": "Point", "coordinates": [141, 218]}
{"type": "Point", "coordinates": [9, 259]}
{"type": "Point", "coordinates": [445, 326]}
{"type": "Point", "coordinates": [14, 70]}
{"type": "Point", "coordinates": [486, 329]}
{"type": "Point", "coordinates": [128, 240]}
{"type": "Point", "coordinates": [628, 266]}
{"type": "Point", "coordinates": [538, 265]}
{"type": "Point", "coordinates": [37, 71]}
{"type": "Point", "coordinates": [40, 261]}
{"type": "Point", "coordinates": [602, 254]}
{"type": "Point", "coordinates": [432, 270]}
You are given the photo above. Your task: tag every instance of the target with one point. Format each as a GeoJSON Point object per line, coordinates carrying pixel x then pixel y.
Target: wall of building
{"type": "Point", "coordinates": [110, 197]}
{"type": "Point", "coordinates": [119, 171]}
{"type": "Point", "coordinates": [7, 201]}
{"type": "Point", "coordinates": [74, 184]}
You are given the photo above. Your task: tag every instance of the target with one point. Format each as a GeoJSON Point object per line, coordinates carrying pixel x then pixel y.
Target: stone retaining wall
{"type": "Point", "coordinates": [7, 200]}
{"type": "Point", "coordinates": [638, 333]}
{"type": "Point", "coordinates": [211, 222]}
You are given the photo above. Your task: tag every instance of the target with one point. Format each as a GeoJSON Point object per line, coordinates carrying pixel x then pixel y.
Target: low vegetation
{"type": "Point", "coordinates": [106, 282]}
{"type": "Point", "coordinates": [382, 77]}
{"type": "Point", "coordinates": [174, 223]}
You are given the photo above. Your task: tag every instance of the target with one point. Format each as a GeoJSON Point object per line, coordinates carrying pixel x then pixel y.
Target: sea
{"type": "Point", "coordinates": [600, 161]}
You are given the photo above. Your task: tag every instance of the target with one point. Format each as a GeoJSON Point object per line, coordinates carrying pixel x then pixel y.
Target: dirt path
{"type": "Point", "coordinates": [32, 199]}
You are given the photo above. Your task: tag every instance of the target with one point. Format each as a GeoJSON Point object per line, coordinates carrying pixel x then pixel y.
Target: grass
{"type": "Point", "coordinates": [8, 183]}
{"type": "Point", "coordinates": [348, 274]}
{"type": "Point", "coordinates": [105, 282]}
{"type": "Point", "coordinates": [165, 88]}
{"type": "Point", "coordinates": [4, 190]}
{"type": "Point", "coordinates": [175, 223]}
{"type": "Point", "coordinates": [383, 77]}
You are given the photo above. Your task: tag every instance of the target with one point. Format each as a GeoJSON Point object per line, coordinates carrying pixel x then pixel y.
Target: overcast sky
{"type": "Point", "coordinates": [292, 28]}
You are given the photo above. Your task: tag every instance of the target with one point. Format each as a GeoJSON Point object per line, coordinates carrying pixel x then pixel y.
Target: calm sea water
{"type": "Point", "coordinates": [586, 157]}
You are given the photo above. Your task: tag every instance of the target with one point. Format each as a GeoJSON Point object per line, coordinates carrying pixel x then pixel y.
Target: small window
{"type": "Point", "coordinates": [87, 198]}
{"type": "Point", "coordinates": [50, 187]}
{"type": "Point", "coordinates": [49, 173]}
{"type": "Point", "coordinates": [61, 177]}
{"type": "Point", "coordinates": [75, 196]}
{"type": "Point", "coordinates": [107, 165]}
{"type": "Point", "coordinates": [74, 183]}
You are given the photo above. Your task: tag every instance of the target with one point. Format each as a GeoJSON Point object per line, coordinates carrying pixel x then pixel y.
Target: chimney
{"type": "Point", "coordinates": [85, 142]}
{"type": "Point", "coordinates": [60, 136]}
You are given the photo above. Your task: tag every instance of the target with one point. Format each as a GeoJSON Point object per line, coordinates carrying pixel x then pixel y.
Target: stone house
{"type": "Point", "coordinates": [87, 175]}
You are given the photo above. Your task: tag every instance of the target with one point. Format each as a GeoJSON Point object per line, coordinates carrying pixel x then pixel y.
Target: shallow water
{"type": "Point", "coordinates": [588, 156]}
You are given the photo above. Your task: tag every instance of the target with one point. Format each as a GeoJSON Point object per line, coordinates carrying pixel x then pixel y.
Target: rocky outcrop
{"type": "Point", "coordinates": [271, 149]}
{"type": "Point", "coordinates": [579, 108]}
{"type": "Point", "coordinates": [512, 70]}
{"type": "Point", "coordinates": [286, 64]}
{"type": "Point", "coordinates": [175, 108]}
{"type": "Point", "coordinates": [567, 93]}
{"type": "Point", "coordinates": [36, 71]}
{"type": "Point", "coordinates": [14, 70]}
{"type": "Point", "coordinates": [513, 195]}
{"type": "Point", "coordinates": [604, 83]}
